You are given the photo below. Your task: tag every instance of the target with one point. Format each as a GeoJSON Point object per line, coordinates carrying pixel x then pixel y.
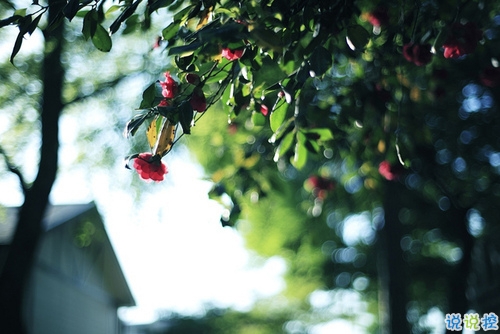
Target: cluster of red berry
{"type": "Point", "coordinates": [462, 39]}
{"type": "Point", "coordinates": [150, 167]}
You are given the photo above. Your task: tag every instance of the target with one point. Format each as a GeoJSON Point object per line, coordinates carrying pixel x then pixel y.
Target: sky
{"type": "Point", "coordinates": [175, 253]}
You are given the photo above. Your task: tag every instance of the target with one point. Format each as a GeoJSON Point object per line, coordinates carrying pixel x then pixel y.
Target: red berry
{"type": "Point", "coordinates": [150, 167]}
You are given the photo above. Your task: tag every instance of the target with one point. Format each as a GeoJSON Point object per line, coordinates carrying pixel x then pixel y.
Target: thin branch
{"type": "Point", "coordinates": [13, 169]}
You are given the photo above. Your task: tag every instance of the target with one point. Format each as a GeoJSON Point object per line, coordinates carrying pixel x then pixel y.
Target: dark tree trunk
{"type": "Point", "coordinates": [391, 265]}
{"type": "Point", "coordinates": [458, 280]}
{"type": "Point", "coordinates": [19, 261]}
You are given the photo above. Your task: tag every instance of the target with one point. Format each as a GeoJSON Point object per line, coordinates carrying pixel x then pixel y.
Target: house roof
{"type": "Point", "coordinates": [57, 215]}
{"type": "Point", "coordinates": [54, 216]}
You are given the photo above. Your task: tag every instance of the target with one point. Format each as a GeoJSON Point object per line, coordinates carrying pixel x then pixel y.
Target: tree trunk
{"type": "Point", "coordinates": [21, 254]}
{"type": "Point", "coordinates": [391, 265]}
{"type": "Point", "coordinates": [458, 280]}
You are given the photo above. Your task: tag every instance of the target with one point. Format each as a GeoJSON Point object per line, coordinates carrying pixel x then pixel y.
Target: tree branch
{"type": "Point", "coordinates": [21, 254]}
{"type": "Point", "coordinates": [13, 169]}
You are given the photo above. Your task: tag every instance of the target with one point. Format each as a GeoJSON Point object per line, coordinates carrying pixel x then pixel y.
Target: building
{"type": "Point", "coordinates": [77, 284]}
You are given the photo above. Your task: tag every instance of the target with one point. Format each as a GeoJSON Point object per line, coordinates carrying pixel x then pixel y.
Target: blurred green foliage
{"type": "Point", "coordinates": [298, 126]}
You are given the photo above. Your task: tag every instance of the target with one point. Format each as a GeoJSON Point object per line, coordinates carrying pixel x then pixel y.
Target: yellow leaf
{"type": "Point", "coordinates": [152, 131]}
{"type": "Point", "coordinates": [166, 139]}
{"type": "Point", "coordinates": [205, 19]}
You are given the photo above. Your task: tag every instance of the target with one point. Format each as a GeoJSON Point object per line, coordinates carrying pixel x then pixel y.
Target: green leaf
{"type": "Point", "coordinates": [269, 74]}
{"type": "Point", "coordinates": [278, 114]}
{"type": "Point", "coordinates": [267, 38]}
{"type": "Point", "coordinates": [112, 9]}
{"type": "Point", "coordinates": [321, 60]}
{"type": "Point", "coordinates": [20, 12]}
{"type": "Point", "coordinates": [233, 13]}
{"type": "Point", "coordinates": [357, 37]}
{"type": "Point", "coordinates": [131, 24]}
{"type": "Point", "coordinates": [258, 119]}
{"type": "Point", "coordinates": [81, 13]}
{"type": "Point", "coordinates": [148, 96]}
{"type": "Point", "coordinates": [216, 76]}
{"type": "Point", "coordinates": [284, 145]}
{"type": "Point", "coordinates": [300, 157]}
{"type": "Point", "coordinates": [312, 146]}
{"type": "Point", "coordinates": [170, 31]}
{"type": "Point", "coordinates": [89, 24]}
{"type": "Point", "coordinates": [182, 15]}
{"type": "Point", "coordinates": [321, 134]}
{"type": "Point", "coordinates": [101, 39]}
{"type": "Point", "coordinates": [284, 128]}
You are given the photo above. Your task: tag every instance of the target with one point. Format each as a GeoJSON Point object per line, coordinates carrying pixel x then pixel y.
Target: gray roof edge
{"type": "Point", "coordinates": [57, 215]}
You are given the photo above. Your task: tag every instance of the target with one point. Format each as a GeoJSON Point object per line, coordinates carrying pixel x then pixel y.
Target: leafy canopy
{"type": "Point", "coordinates": [354, 93]}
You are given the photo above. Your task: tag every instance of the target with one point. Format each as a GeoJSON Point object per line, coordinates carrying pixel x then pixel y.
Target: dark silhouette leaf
{"type": "Point", "coordinates": [148, 96]}
{"type": "Point", "coordinates": [17, 46]}
{"type": "Point", "coordinates": [357, 37]}
{"type": "Point", "coordinates": [71, 9]}
{"type": "Point", "coordinates": [9, 20]}
{"type": "Point", "coordinates": [34, 24]}
{"type": "Point", "coordinates": [184, 48]}
{"type": "Point", "coordinates": [186, 117]}
{"type": "Point", "coordinates": [55, 22]}
{"type": "Point", "coordinates": [154, 5]}
{"type": "Point", "coordinates": [133, 125]}
{"type": "Point", "coordinates": [321, 61]}
{"type": "Point", "coordinates": [123, 16]}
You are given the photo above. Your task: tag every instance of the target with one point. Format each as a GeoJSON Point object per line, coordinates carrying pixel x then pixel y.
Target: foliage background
{"type": "Point", "coordinates": [425, 241]}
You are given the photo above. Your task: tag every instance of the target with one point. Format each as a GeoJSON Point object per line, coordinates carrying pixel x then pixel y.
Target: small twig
{"type": "Point", "coordinates": [217, 95]}
{"type": "Point", "coordinates": [213, 100]}
{"type": "Point", "coordinates": [209, 73]}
